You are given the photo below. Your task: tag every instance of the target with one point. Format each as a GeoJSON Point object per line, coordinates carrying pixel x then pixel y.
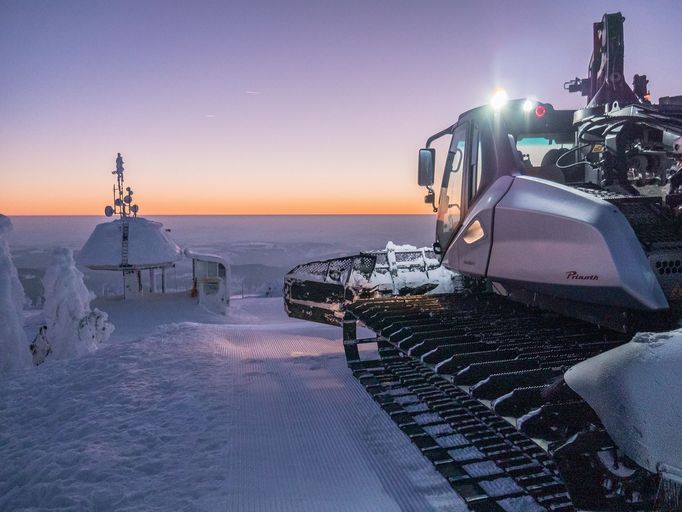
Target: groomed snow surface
{"type": "Point", "coordinates": [253, 412]}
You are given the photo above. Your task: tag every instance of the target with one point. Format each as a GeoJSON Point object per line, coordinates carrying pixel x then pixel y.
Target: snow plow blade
{"type": "Point", "coordinates": [319, 291]}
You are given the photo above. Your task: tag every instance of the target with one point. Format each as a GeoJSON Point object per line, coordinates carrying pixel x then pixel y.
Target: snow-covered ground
{"type": "Point", "coordinates": [185, 410]}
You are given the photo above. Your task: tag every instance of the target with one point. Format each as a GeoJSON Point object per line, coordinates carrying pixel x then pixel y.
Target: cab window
{"type": "Point", "coordinates": [542, 155]}
{"type": "Point", "coordinates": [450, 201]}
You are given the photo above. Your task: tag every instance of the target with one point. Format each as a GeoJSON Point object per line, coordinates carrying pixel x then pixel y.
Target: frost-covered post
{"type": "Point", "coordinates": [72, 327]}
{"type": "Point", "coordinates": [350, 338]}
{"type": "Point", "coordinates": [14, 351]}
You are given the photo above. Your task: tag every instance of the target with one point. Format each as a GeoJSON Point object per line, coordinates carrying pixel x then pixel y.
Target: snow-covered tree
{"type": "Point", "coordinates": [14, 352]}
{"type": "Point", "coordinates": [73, 328]}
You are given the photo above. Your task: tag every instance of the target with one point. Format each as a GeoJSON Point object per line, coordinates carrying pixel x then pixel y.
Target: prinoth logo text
{"type": "Point", "coordinates": [574, 275]}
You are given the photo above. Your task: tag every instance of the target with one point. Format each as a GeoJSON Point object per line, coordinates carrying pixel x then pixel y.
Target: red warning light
{"type": "Point", "coordinates": [540, 111]}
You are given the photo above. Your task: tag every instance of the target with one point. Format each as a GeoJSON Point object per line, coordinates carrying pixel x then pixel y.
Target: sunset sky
{"type": "Point", "coordinates": [268, 107]}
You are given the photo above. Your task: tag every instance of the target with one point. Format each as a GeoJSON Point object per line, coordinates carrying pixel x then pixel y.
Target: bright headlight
{"type": "Point", "coordinates": [499, 99]}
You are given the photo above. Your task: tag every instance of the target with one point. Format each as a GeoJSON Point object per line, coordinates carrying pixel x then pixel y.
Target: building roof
{"type": "Point", "coordinates": [148, 246]}
{"type": "Point", "coordinates": [191, 253]}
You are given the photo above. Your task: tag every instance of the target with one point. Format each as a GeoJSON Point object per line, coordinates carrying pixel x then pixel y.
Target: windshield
{"type": "Point", "coordinates": [535, 148]}
{"type": "Point", "coordinates": [540, 152]}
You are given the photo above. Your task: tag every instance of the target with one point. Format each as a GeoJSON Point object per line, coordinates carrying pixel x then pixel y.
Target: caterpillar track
{"type": "Point", "coordinates": [476, 382]}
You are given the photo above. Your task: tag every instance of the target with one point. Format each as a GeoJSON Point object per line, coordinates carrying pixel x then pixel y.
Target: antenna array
{"type": "Point", "coordinates": [122, 197]}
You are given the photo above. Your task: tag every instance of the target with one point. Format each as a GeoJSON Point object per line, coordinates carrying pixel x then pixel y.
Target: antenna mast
{"type": "Point", "coordinates": [122, 201]}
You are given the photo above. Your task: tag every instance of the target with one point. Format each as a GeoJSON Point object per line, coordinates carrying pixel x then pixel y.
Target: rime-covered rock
{"type": "Point", "coordinates": [73, 328]}
{"type": "Point", "coordinates": [14, 352]}
{"type": "Point", "coordinates": [40, 346]}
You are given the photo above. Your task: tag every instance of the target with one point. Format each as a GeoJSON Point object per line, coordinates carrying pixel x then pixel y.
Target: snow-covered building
{"type": "Point", "coordinates": [210, 281]}
{"type": "Point", "coordinates": [130, 244]}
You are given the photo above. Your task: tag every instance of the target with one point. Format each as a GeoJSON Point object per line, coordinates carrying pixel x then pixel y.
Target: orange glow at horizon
{"type": "Point", "coordinates": [228, 205]}
{"type": "Point", "coordinates": [181, 184]}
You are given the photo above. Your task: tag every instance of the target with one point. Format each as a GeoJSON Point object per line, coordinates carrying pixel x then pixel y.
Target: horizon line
{"type": "Point", "coordinates": [219, 215]}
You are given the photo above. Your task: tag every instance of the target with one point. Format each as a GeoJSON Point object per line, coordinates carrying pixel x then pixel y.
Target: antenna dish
{"type": "Point", "coordinates": [128, 199]}
{"type": "Point", "coordinates": [108, 211]}
{"type": "Point", "coordinates": [118, 202]}
{"type": "Point", "coordinates": [134, 208]}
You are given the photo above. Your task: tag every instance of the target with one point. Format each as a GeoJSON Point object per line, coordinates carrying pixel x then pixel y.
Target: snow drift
{"type": "Point", "coordinates": [635, 391]}
{"type": "Point", "coordinates": [73, 328]}
{"type": "Point", "coordinates": [14, 351]}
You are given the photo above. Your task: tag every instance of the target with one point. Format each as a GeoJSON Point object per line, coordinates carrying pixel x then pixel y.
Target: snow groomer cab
{"type": "Point", "coordinates": [533, 201]}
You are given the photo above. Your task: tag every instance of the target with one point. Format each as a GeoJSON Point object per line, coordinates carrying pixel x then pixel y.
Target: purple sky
{"type": "Point", "coordinates": [261, 107]}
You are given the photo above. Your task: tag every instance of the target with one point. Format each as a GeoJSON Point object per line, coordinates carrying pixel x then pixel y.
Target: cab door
{"type": "Point", "coordinates": [469, 251]}
{"type": "Point", "coordinates": [450, 201]}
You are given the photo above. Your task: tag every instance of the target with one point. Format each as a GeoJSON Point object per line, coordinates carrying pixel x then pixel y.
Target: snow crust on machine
{"type": "Point", "coordinates": [14, 351]}
{"type": "Point", "coordinates": [73, 328]}
{"type": "Point", "coordinates": [148, 245]}
{"type": "Point", "coordinates": [408, 269]}
{"type": "Point", "coordinates": [635, 390]}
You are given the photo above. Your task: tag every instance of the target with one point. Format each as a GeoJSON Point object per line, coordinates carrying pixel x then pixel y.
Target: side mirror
{"type": "Point", "coordinates": [427, 165]}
